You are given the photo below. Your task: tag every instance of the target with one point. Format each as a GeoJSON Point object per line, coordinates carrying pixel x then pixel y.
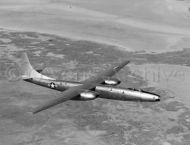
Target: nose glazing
{"type": "Point", "coordinates": [157, 98]}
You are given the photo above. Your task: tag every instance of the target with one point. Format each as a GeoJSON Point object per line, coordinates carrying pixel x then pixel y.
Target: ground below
{"type": "Point", "coordinates": [96, 122]}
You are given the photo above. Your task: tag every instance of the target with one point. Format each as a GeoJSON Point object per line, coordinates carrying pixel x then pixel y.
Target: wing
{"type": "Point", "coordinates": [66, 95]}
{"type": "Point", "coordinates": [87, 85]}
{"type": "Point", "coordinates": [107, 73]}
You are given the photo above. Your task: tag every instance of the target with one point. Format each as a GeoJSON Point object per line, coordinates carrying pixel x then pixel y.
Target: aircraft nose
{"type": "Point", "coordinates": [157, 98]}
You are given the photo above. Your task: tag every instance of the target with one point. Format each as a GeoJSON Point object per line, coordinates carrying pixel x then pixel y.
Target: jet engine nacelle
{"type": "Point", "coordinates": [112, 81]}
{"type": "Point", "coordinates": [88, 95]}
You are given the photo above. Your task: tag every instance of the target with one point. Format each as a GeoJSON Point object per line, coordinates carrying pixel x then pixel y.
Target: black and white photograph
{"type": "Point", "coordinates": [94, 72]}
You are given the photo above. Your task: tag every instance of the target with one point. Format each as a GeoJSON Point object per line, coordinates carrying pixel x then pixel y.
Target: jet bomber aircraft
{"type": "Point", "coordinates": [99, 86]}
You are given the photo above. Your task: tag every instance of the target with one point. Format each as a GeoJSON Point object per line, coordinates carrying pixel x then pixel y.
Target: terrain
{"type": "Point", "coordinates": [93, 122]}
{"type": "Point", "coordinates": [74, 40]}
{"type": "Point", "coordinates": [150, 25]}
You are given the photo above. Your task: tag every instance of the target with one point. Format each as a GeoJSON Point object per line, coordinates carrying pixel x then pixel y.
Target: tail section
{"type": "Point", "coordinates": [27, 70]}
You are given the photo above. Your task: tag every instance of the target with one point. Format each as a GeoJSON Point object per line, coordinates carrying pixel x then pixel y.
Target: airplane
{"type": "Point", "coordinates": [102, 85]}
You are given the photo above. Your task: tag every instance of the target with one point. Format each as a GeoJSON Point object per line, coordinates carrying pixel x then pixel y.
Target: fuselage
{"type": "Point", "coordinates": [104, 91]}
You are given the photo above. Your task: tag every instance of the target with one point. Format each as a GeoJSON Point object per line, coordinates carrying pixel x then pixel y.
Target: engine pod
{"type": "Point", "coordinates": [88, 95]}
{"type": "Point", "coordinates": [112, 81]}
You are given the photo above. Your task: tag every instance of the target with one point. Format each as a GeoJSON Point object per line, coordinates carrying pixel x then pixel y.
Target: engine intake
{"type": "Point", "coordinates": [88, 95]}
{"type": "Point", "coordinates": [112, 81]}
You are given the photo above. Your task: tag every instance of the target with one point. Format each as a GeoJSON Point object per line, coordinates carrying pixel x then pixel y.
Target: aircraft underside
{"type": "Point", "coordinates": [102, 85]}
{"type": "Point", "coordinates": [100, 91]}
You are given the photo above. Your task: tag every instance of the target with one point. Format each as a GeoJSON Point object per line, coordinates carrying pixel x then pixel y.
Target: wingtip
{"type": "Point", "coordinates": [32, 112]}
{"type": "Point", "coordinates": [36, 111]}
{"type": "Point", "coordinates": [127, 61]}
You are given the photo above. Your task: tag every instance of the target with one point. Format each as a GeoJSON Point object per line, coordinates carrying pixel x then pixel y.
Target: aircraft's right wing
{"type": "Point", "coordinates": [66, 95]}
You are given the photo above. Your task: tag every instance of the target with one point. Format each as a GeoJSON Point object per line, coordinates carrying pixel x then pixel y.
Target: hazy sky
{"type": "Point", "coordinates": [22, 1]}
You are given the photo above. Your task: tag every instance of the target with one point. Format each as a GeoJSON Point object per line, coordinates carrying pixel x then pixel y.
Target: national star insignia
{"type": "Point", "coordinates": [52, 85]}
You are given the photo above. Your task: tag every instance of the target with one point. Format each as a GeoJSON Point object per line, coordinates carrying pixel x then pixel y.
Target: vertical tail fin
{"type": "Point", "coordinates": [27, 70]}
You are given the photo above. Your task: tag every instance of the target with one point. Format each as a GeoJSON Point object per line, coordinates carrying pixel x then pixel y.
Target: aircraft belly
{"type": "Point", "coordinates": [115, 93]}
{"type": "Point", "coordinates": [107, 92]}
{"type": "Point", "coordinates": [116, 96]}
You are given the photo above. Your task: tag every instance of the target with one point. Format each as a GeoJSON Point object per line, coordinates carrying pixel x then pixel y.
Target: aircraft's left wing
{"type": "Point", "coordinates": [87, 85]}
